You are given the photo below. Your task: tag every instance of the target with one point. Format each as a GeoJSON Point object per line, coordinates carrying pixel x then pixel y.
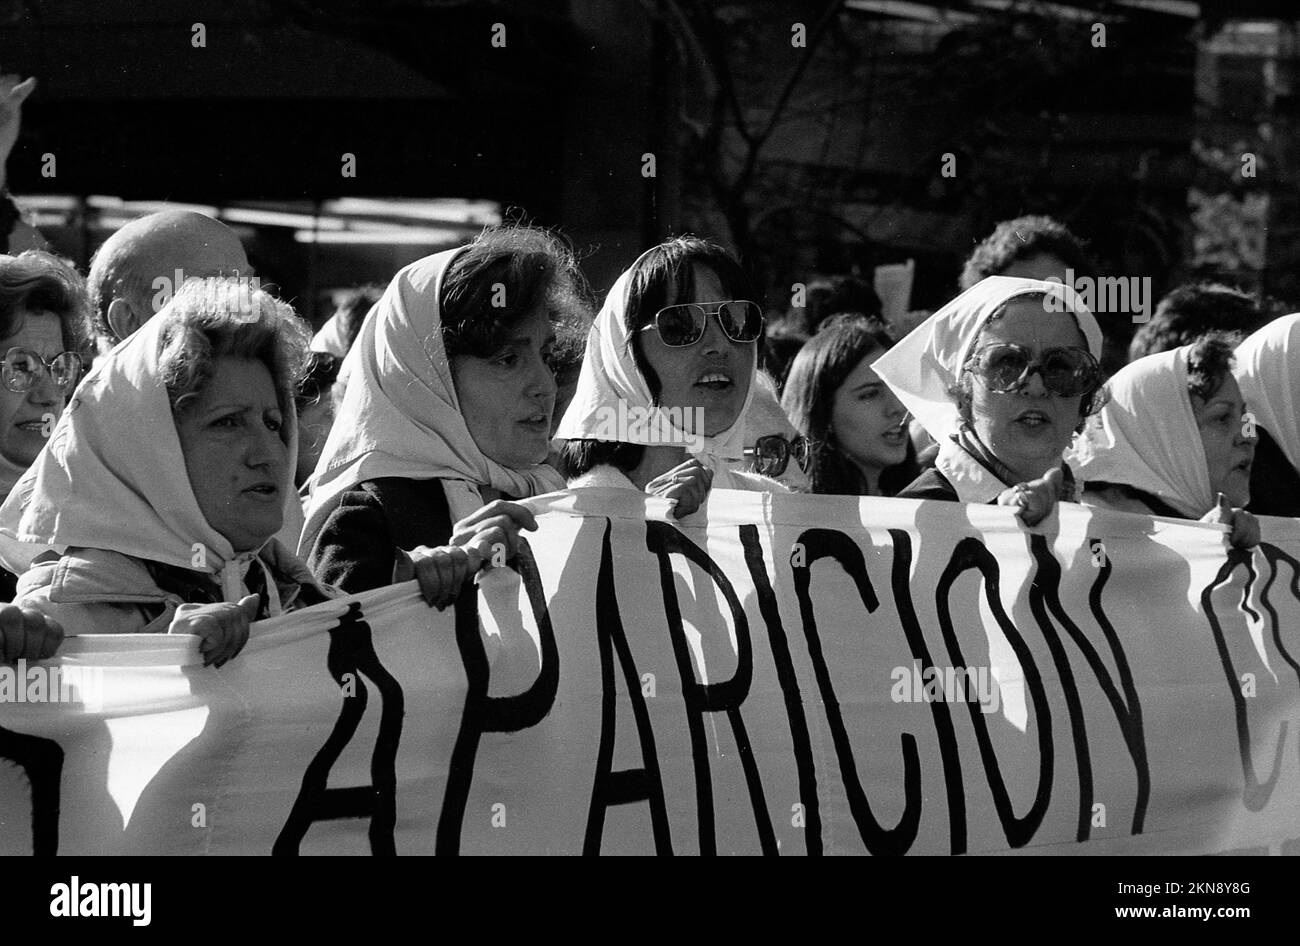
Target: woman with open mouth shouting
{"type": "Point", "coordinates": [855, 426]}
{"type": "Point", "coordinates": [1003, 377]}
{"type": "Point", "coordinates": [667, 379]}
{"type": "Point", "coordinates": [1175, 440]}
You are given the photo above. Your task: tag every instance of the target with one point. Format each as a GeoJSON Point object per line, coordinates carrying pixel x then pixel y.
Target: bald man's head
{"type": "Point", "coordinates": [125, 273]}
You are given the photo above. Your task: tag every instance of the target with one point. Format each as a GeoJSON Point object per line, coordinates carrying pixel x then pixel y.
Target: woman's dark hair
{"type": "Point", "coordinates": [36, 281]}
{"type": "Point", "coordinates": [1210, 362]}
{"type": "Point", "coordinates": [354, 308]}
{"type": "Point", "coordinates": [961, 391]}
{"type": "Point", "coordinates": [499, 279]}
{"type": "Point", "coordinates": [662, 276]}
{"type": "Point", "coordinates": [1190, 311]}
{"type": "Point", "coordinates": [318, 377]}
{"type": "Point", "coordinates": [815, 376]}
{"type": "Point", "coordinates": [1021, 239]}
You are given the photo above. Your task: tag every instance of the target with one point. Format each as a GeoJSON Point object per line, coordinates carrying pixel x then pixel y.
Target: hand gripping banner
{"type": "Point", "coordinates": [773, 675]}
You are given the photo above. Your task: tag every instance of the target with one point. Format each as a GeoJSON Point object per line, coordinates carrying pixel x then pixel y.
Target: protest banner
{"type": "Point", "coordinates": [773, 674]}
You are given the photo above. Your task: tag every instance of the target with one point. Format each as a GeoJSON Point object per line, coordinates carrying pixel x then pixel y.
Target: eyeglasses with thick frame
{"type": "Point", "coordinates": [23, 369]}
{"type": "Point", "coordinates": [1005, 367]}
{"type": "Point", "coordinates": [772, 453]}
{"type": "Point", "coordinates": [683, 324]}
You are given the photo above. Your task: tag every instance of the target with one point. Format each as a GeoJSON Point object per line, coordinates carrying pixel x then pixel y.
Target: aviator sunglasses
{"type": "Point", "coordinates": [1004, 368]}
{"type": "Point", "coordinates": [772, 454]}
{"type": "Point", "coordinates": [682, 325]}
{"type": "Point", "coordinates": [24, 368]}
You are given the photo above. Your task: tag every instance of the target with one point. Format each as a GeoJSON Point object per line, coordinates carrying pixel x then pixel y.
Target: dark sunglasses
{"type": "Point", "coordinates": [1068, 372]}
{"type": "Point", "coordinates": [772, 454]}
{"type": "Point", "coordinates": [682, 325]}
{"type": "Point", "coordinates": [24, 368]}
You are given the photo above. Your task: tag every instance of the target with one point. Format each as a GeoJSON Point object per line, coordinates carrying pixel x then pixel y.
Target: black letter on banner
{"type": "Point", "coordinates": [901, 579]}
{"type": "Point", "coordinates": [802, 742]}
{"type": "Point", "coordinates": [971, 553]}
{"type": "Point", "coordinates": [483, 713]}
{"type": "Point", "coordinates": [1048, 572]}
{"type": "Point", "coordinates": [352, 651]}
{"type": "Point", "coordinates": [42, 762]}
{"type": "Point", "coordinates": [1254, 795]}
{"type": "Point", "coordinates": [1274, 555]}
{"type": "Point", "coordinates": [824, 543]}
{"type": "Point", "coordinates": [628, 785]}
{"type": "Point", "coordinates": [1127, 710]}
{"type": "Point", "coordinates": [663, 540]}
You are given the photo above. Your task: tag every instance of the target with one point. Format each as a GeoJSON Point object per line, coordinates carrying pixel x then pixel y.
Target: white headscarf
{"type": "Point", "coordinates": [923, 367]}
{"type": "Point", "coordinates": [329, 339]}
{"type": "Point", "coordinates": [1146, 436]}
{"type": "Point", "coordinates": [400, 415]}
{"type": "Point", "coordinates": [113, 476]}
{"type": "Point", "coordinates": [610, 377]}
{"type": "Point", "coordinates": [1268, 370]}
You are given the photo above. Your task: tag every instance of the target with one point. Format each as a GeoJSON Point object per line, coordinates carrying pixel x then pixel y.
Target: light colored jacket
{"type": "Point", "coordinates": [96, 591]}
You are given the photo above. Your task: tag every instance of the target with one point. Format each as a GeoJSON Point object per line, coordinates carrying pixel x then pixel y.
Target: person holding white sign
{"type": "Point", "coordinates": [1175, 440]}
{"type": "Point", "coordinates": [448, 407]}
{"type": "Point", "coordinates": [1003, 377]}
{"type": "Point", "coordinates": [668, 378]}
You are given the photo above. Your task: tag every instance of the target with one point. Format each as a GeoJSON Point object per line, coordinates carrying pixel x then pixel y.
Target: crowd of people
{"type": "Point", "coordinates": [196, 463]}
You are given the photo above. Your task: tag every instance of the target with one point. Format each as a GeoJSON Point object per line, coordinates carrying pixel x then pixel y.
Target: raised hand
{"type": "Point", "coordinates": [12, 95]}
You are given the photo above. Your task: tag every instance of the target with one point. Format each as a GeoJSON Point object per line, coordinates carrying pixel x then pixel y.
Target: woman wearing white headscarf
{"type": "Point", "coordinates": [668, 378]}
{"type": "Point", "coordinates": [168, 476]}
{"type": "Point", "coordinates": [448, 407]}
{"type": "Point", "coordinates": [1002, 377]}
{"type": "Point", "coordinates": [1173, 440]}
{"type": "Point", "coordinates": [1268, 371]}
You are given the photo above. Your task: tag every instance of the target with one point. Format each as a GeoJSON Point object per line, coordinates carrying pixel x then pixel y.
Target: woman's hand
{"type": "Point", "coordinates": [223, 627]}
{"type": "Point", "coordinates": [440, 571]}
{"type": "Point", "coordinates": [1245, 527]}
{"type": "Point", "coordinates": [688, 483]}
{"type": "Point", "coordinates": [486, 538]}
{"type": "Point", "coordinates": [493, 531]}
{"type": "Point", "coordinates": [26, 634]}
{"type": "Point", "coordinates": [1036, 499]}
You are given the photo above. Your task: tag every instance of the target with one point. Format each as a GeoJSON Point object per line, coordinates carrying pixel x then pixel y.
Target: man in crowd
{"type": "Point", "coordinates": [142, 265]}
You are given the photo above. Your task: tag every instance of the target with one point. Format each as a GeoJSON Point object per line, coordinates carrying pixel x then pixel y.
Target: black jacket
{"type": "Point", "coordinates": [929, 485]}
{"type": "Point", "coordinates": [1274, 482]}
{"type": "Point", "coordinates": [357, 547]}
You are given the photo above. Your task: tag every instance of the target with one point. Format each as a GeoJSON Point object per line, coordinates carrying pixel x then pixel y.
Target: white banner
{"type": "Point", "coordinates": [777, 674]}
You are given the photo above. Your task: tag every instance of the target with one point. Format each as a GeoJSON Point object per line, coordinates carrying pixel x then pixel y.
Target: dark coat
{"type": "Point", "coordinates": [357, 547]}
